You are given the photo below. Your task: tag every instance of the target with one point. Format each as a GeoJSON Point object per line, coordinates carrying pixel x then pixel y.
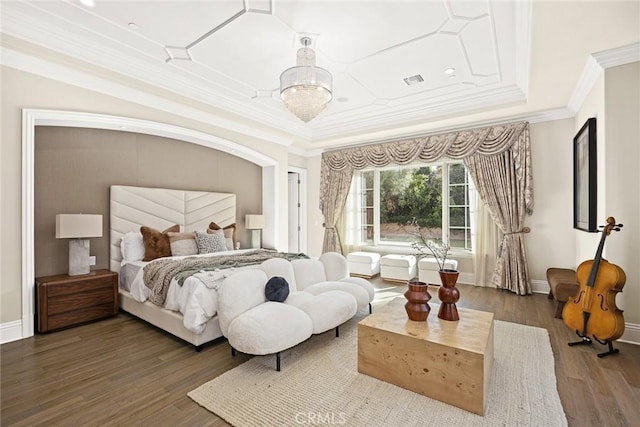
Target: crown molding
{"type": "Point", "coordinates": [591, 72]}
{"type": "Point", "coordinates": [596, 64]}
{"type": "Point", "coordinates": [523, 44]}
{"type": "Point", "coordinates": [367, 121]}
{"type": "Point", "coordinates": [618, 56]}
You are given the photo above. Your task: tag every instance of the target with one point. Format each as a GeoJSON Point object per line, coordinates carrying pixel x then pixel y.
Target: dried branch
{"type": "Point", "coordinates": [425, 247]}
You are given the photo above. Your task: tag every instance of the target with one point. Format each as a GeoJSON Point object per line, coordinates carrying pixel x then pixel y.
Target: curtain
{"type": "Point", "coordinates": [348, 225]}
{"type": "Point", "coordinates": [507, 147]}
{"type": "Point", "coordinates": [336, 188]}
{"type": "Point", "coordinates": [484, 235]}
{"type": "Point", "coordinates": [501, 183]}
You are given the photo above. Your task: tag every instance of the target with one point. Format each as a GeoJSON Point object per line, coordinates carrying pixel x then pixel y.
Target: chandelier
{"type": "Point", "coordinates": [305, 88]}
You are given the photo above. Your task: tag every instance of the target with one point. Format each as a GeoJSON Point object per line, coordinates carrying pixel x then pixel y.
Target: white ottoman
{"type": "Point", "coordinates": [399, 268]}
{"type": "Point", "coordinates": [428, 270]}
{"type": "Point", "coordinates": [365, 264]}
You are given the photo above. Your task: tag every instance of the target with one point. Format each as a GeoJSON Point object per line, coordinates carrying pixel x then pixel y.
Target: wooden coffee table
{"type": "Point", "coordinates": [444, 360]}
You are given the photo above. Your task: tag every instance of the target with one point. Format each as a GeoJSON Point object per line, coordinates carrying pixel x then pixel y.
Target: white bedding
{"type": "Point", "coordinates": [196, 299]}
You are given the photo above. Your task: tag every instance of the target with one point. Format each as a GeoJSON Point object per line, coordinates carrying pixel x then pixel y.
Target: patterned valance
{"type": "Point", "coordinates": [491, 140]}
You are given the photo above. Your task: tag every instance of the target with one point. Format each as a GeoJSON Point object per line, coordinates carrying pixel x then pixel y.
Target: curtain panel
{"type": "Point", "coordinates": [508, 147]}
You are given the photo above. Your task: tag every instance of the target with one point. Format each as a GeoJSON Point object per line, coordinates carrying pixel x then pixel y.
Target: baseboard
{"type": "Point", "coordinates": [631, 334]}
{"type": "Point", "coordinates": [540, 286]}
{"type": "Point", "coordinates": [537, 286]}
{"type": "Point", "coordinates": [10, 331]}
{"type": "Point", "coordinates": [466, 278]}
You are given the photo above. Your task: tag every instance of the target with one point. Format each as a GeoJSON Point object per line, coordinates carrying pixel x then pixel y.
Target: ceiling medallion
{"type": "Point", "coordinates": [306, 89]}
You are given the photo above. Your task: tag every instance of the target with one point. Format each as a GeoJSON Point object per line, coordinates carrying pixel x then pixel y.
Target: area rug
{"type": "Point", "coordinates": [320, 385]}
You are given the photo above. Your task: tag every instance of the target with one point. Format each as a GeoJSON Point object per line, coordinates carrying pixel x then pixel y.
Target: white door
{"type": "Point", "coordinates": [294, 212]}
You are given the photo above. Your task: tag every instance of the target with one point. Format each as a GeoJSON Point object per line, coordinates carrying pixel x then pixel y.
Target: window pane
{"type": "Point", "coordinates": [457, 195]}
{"type": "Point", "coordinates": [410, 193]}
{"type": "Point", "coordinates": [368, 216]}
{"type": "Point", "coordinates": [457, 238]}
{"type": "Point", "coordinates": [369, 198]}
{"type": "Point", "coordinates": [367, 234]}
{"type": "Point", "coordinates": [457, 217]}
{"type": "Point", "coordinates": [457, 173]}
{"type": "Point", "coordinates": [367, 179]}
{"type": "Point", "coordinates": [413, 192]}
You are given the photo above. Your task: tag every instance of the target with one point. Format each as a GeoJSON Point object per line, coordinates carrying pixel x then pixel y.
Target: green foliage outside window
{"type": "Point", "coordinates": [390, 198]}
{"type": "Point", "coordinates": [412, 193]}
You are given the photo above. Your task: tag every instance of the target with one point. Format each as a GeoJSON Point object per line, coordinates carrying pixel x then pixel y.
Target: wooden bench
{"type": "Point", "coordinates": [563, 285]}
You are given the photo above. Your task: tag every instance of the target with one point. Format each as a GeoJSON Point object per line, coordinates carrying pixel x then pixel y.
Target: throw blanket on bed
{"type": "Point", "coordinates": [158, 274]}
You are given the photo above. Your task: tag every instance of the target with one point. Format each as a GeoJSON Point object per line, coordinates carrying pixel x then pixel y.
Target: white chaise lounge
{"type": "Point", "coordinates": [254, 325]}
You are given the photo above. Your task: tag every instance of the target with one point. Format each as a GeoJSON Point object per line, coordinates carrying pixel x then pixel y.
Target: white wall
{"type": "Point", "coordinates": [615, 102]}
{"type": "Point", "coordinates": [551, 242]}
{"type": "Point", "coordinates": [593, 106]}
{"type": "Point", "coordinates": [622, 181]}
{"type": "Point", "coordinates": [316, 231]}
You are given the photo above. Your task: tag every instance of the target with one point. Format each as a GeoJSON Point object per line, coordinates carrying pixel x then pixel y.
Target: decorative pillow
{"type": "Point", "coordinates": [229, 233]}
{"type": "Point", "coordinates": [277, 289]}
{"type": "Point", "coordinates": [229, 243]}
{"type": "Point", "coordinates": [156, 243]}
{"type": "Point", "coordinates": [210, 242]}
{"type": "Point", "coordinates": [132, 246]}
{"type": "Point", "coordinates": [183, 243]}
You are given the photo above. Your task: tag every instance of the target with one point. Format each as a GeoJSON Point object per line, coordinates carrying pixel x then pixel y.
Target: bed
{"type": "Point", "coordinates": [133, 207]}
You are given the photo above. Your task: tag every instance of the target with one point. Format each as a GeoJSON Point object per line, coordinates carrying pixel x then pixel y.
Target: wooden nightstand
{"type": "Point", "coordinates": [71, 300]}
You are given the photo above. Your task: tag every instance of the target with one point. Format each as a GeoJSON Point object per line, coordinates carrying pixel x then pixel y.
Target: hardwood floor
{"type": "Point", "coordinates": [122, 371]}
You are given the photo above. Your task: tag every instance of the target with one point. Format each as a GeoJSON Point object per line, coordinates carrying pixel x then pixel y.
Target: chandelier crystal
{"type": "Point", "coordinates": [305, 88]}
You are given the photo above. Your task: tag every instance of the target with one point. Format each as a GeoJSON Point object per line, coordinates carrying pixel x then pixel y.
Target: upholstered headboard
{"type": "Point", "coordinates": [133, 207]}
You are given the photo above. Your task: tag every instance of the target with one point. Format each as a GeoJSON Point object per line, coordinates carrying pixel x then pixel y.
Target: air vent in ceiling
{"type": "Point", "coordinates": [413, 80]}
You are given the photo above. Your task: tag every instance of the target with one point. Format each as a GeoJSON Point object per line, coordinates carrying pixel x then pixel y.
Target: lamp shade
{"type": "Point", "coordinates": [72, 226]}
{"type": "Point", "coordinates": [254, 222]}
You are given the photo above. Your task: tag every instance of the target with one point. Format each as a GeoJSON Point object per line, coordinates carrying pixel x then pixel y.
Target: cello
{"type": "Point", "coordinates": [592, 312]}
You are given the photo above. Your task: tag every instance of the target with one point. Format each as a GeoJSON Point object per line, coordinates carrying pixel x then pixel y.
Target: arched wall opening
{"type": "Point", "coordinates": [32, 118]}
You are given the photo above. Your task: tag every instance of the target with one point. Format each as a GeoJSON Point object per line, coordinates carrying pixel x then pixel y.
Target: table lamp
{"type": "Point", "coordinates": [78, 228]}
{"type": "Point", "coordinates": [255, 223]}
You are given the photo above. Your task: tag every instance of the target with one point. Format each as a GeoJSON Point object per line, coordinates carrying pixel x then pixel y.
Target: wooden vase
{"type": "Point", "coordinates": [449, 295]}
{"type": "Point", "coordinates": [417, 296]}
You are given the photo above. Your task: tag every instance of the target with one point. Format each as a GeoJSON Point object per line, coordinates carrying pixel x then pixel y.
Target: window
{"type": "Point", "coordinates": [382, 202]}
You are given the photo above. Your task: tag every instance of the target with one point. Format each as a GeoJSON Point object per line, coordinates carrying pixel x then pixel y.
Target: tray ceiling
{"type": "Point", "coordinates": [230, 54]}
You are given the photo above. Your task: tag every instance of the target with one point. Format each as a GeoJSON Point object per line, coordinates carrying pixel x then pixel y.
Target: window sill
{"type": "Point", "coordinates": [408, 250]}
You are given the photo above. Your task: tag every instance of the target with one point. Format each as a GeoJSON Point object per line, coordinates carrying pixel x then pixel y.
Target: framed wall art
{"type": "Point", "coordinates": [584, 177]}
